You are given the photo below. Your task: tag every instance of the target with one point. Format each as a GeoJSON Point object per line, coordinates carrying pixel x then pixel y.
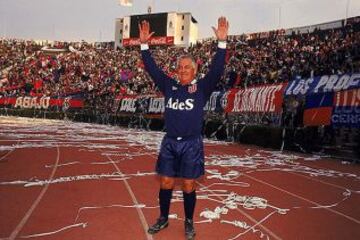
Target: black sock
{"type": "Point", "coordinates": [164, 200]}
{"type": "Point", "coordinates": [189, 204]}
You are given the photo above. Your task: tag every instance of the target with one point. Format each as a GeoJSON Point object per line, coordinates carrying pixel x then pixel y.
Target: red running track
{"type": "Point", "coordinates": [63, 180]}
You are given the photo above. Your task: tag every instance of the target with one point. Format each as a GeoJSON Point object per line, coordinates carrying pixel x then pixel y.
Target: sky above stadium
{"type": "Point", "coordinates": [94, 20]}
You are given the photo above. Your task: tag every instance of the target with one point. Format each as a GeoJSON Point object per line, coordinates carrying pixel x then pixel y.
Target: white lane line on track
{"type": "Point", "coordinates": [297, 196]}
{"type": "Point", "coordinates": [23, 221]}
{"type": "Point", "coordinates": [257, 223]}
{"type": "Point", "coordinates": [303, 198]}
{"type": "Point", "coordinates": [314, 179]}
{"type": "Point", "coordinates": [8, 153]}
{"type": "Point", "coordinates": [135, 201]}
{"type": "Point", "coordinates": [323, 182]}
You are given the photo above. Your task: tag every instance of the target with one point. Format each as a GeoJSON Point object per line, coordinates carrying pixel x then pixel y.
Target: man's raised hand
{"type": "Point", "coordinates": [144, 31]}
{"type": "Point", "coordinates": [221, 31]}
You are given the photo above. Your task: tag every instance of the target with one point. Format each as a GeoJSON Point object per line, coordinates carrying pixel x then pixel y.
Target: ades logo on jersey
{"type": "Point", "coordinates": [177, 105]}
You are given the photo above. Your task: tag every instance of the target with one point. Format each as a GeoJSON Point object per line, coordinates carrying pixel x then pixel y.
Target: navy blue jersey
{"type": "Point", "coordinates": [184, 105]}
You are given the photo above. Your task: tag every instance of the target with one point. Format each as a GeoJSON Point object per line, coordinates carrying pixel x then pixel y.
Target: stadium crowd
{"type": "Point", "coordinates": [88, 69]}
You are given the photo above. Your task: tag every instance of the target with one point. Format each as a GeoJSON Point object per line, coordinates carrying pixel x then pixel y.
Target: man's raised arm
{"type": "Point", "coordinates": [155, 73]}
{"type": "Point", "coordinates": [217, 65]}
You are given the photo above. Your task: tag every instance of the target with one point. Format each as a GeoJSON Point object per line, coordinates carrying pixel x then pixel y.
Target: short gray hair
{"type": "Point", "coordinates": [184, 57]}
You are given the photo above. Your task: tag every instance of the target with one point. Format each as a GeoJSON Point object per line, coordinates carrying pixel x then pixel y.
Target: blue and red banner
{"type": "Point", "coordinates": [330, 99]}
{"type": "Point", "coordinates": [318, 109]}
{"type": "Point", "coordinates": [347, 109]}
{"type": "Point", "coordinates": [323, 84]}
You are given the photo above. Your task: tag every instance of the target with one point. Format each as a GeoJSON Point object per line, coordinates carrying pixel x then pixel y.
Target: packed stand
{"type": "Point", "coordinates": [96, 71]}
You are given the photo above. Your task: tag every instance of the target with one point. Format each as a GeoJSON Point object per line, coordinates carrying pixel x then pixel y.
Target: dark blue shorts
{"type": "Point", "coordinates": [182, 158]}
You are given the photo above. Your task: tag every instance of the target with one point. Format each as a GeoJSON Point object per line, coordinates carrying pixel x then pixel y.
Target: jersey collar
{"type": "Point", "coordinates": [191, 83]}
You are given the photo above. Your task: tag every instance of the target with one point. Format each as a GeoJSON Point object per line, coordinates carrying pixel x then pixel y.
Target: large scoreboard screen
{"type": "Point", "coordinates": [158, 24]}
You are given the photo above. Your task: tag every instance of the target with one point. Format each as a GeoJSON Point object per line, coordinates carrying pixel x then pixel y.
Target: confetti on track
{"type": "Point", "coordinates": [65, 180]}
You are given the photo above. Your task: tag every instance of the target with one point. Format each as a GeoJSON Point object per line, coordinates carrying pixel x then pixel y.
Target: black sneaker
{"type": "Point", "coordinates": [161, 223]}
{"type": "Point", "coordinates": [189, 229]}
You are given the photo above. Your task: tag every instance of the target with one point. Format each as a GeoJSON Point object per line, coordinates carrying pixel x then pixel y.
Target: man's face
{"type": "Point", "coordinates": [186, 71]}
